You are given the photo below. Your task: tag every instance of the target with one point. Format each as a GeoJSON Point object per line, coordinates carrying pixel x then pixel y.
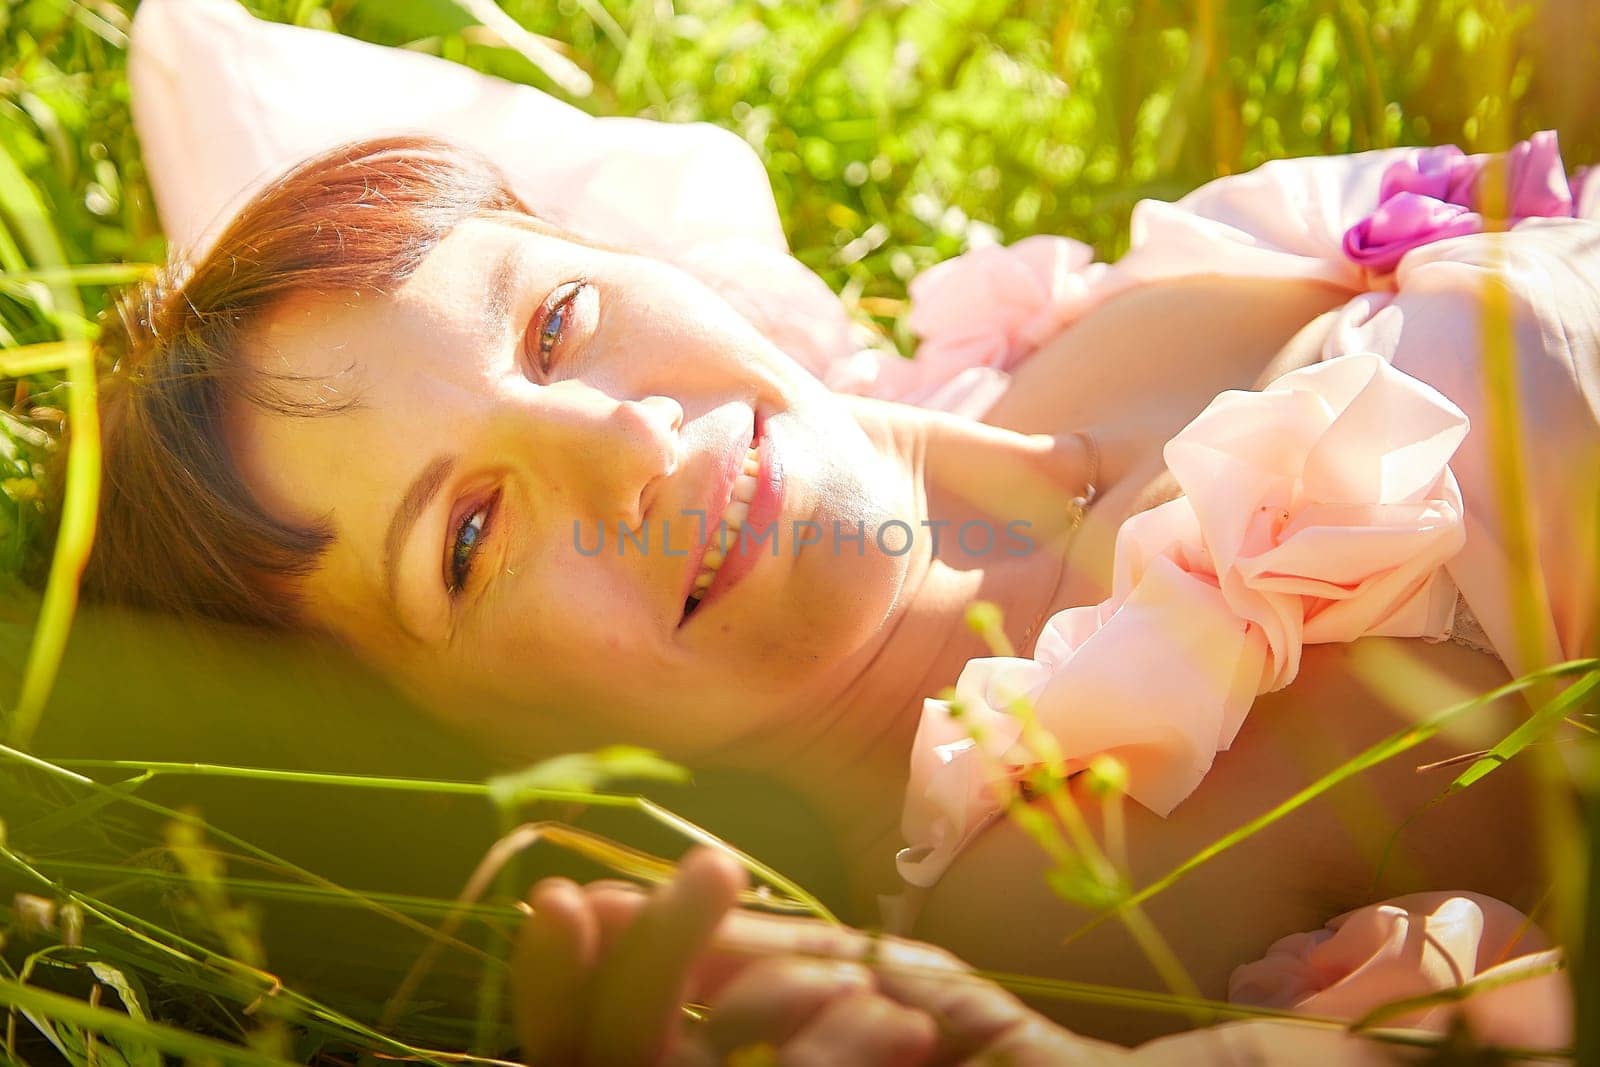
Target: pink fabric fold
{"type": "Point", "coordinates": [1320, 509]}
{"type": "Point", "coordinates": [993, 305]}
{"type": "Point", "coordinates": [1403, 222]}
{"type": "Point", "coordinates": [1285, 219]}
{"type": "Point", "coordinates": [1414, 946]}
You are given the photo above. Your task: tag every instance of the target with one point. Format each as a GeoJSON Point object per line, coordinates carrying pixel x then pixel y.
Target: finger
{"type": "Point", "coordinates": [640, 982]}
{"type": "Point", "coordinates": [971, 1012]}
{"type": "Point", "coordinates": [862, 1030]}
{"type": "Point", "coordinates": [1037, 1043]}
{"type": "Point", "coordinates": [741, 940]}
{"type": "Point", "coordinates": [745, 937]}
{"type": "Point", "coordinates": [550, 964]}
{"type": "Point", "coordinates": [615, 905]}
{"type": "Point", "coordinates": [771, 999]}
{"type": "Point", "coordinates": [733, 948]}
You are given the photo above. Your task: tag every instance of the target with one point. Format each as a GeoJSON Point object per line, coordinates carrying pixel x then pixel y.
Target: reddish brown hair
{"type": "Point", "coordinates": [179, 531]}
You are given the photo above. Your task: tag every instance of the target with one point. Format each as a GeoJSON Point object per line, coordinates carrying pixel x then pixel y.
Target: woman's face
{"type": "Point", "coordinates": [499, 420]}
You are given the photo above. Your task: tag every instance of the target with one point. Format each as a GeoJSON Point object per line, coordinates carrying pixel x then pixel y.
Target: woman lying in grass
{"type": "Point", "coordinates": [610, 468]}
{"type": "Point", "coordinates": [569, 496]}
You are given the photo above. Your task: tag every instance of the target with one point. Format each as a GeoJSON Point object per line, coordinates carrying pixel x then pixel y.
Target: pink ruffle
{"type": "Point", "coordinates": [1320, 509]}
{"type": "Point", "coordinates": [993, 305]}
{"type": "Point", "coordinates": [1403, 222]}
{"type": "Point", "coordinates": [1413, 946]}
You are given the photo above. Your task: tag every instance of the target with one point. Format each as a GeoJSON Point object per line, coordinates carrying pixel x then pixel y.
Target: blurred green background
{"type": "Point", "coordinates": [894, 134]}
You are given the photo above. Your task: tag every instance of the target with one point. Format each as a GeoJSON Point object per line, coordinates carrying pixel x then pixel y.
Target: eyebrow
{"type": "Point", "coordinates": [424, 487]}
{"type": "Point", "coordinates": [501, 290]}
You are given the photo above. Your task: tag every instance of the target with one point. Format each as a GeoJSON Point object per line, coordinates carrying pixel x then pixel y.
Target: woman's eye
{"type": "Point", "coordinates": [464, 547]}
{"type": "Point", "coordinates": [554, 320]}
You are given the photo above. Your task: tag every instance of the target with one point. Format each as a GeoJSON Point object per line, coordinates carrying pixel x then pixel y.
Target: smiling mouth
{"type": "Point", "coordinates": [726, 531]}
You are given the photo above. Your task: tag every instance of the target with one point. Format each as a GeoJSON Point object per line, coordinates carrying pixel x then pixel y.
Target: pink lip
{"type": "Point", "coordinates": [713, 508]}
{"type": "Point", "coordinates": [765, 508]}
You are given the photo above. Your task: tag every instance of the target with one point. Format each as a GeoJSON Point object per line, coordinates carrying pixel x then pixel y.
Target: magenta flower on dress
{"type": "Point", "coordinates": [1436, 194]}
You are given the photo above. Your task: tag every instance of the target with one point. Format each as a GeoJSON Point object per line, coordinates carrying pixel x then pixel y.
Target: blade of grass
{"type": "Point", "coordinates": [643, 805]}
{"type": "Point", "coordinates": [65, 817]}
{"type": "Point", "coordinates": [41, 358]}
{"type": "Point", "coordinates": [555, 66]}
{"type": "Point", "coordinates": [73, 541]}
{"type": "Point", "coordinates": [1546, 718]}
{"type": "Point", "coordinates": [25, 212]}
{"type": "Point", "coordinates": [123, 876]}
{"type": "Point", "coordinates": [81, 274]}
{"type": "Point", "coordinates": [1454, 994]}
{"type": "Point", "coordinates": [175, 947]}
{"type": "Point", "coordinates": [220, 834]}
{"type": "Point", "coordinates": [109, 1023]}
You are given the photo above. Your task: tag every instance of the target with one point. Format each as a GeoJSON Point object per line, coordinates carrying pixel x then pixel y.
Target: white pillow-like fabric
{"type": "Point", "coordinates": [223, 102]}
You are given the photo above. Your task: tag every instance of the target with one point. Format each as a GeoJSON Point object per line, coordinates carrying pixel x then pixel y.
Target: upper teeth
{"type": "Point", "coordinates": [722, 537]}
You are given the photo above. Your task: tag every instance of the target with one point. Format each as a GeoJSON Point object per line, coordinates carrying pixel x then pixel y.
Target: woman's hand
{"type": "Point", "coordinates": [599, 974]}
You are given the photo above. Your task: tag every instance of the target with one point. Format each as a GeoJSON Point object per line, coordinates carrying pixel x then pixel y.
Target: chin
{"type": "Point", "coordinates": [839, 603]}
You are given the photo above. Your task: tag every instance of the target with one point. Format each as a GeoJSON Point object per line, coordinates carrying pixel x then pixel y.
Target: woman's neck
{"type": "Point", "coordinates": [993, 524]}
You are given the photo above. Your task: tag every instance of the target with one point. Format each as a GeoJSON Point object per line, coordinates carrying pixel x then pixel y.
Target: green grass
{"type": "Point", "coordinates": [149, 900]}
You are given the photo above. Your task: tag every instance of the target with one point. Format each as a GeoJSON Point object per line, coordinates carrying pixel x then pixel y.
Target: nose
{"type": "Point", "coordinates": [588, 452]}
{"type": "Point", "coordinates": [605, 456]}
{"type": "Point", "coordinates": [656, 421]}
{"type": "Point", "coordinates": [663, 411]}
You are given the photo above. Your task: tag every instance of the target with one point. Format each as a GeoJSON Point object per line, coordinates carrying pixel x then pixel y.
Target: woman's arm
{"type": "Point", "coordinates": [1141, 365]}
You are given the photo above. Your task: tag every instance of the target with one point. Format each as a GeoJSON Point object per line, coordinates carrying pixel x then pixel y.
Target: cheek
{"type": "Point", "coordinates": [703, 334]}
{"type": "Point", "coordinates": [568, 661]}
{"type": "Point", "coordinates": [842, 599]}
{"type": "Point", "coordinates": [576, 608]}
